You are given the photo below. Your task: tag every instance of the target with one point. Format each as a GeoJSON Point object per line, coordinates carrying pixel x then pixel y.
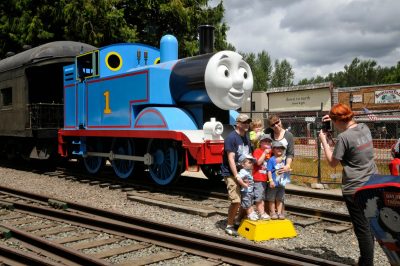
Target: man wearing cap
{"type": "Point", "coordinates": [236, 143]}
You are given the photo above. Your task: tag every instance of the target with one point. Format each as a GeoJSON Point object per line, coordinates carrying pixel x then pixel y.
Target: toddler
{"type": "Point", "coordinates": [277, 181]}
{"type": "Point", "coordinates": [256, 131]}
{"type": "Point", "coordinates": [262, 155]}
{"type": "Point", "coordinates": [245, 180]}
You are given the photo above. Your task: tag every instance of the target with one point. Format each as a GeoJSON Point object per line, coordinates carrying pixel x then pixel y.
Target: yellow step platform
{"type": "Point", "coordinates": [266, 230]}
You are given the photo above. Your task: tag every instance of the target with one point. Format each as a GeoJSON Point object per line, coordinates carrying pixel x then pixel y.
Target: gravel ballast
{"type": "Point", "coordinates": [311, 240]}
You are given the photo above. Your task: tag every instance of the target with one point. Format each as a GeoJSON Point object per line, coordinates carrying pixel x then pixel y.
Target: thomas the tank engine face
{"type": "Point", "coordinates": [228, 80]}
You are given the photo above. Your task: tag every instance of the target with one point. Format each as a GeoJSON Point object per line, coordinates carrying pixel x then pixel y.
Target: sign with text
{"type": "Point", "coordinates": [387, 96]}
{"type": "Point", "coordinates": [358, 98]}
{"type": "Point", "coordinates": [305, 100]}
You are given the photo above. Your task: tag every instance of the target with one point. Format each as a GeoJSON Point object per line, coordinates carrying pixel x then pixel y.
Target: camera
{"type": "Point", "coordinates": [326, 126]}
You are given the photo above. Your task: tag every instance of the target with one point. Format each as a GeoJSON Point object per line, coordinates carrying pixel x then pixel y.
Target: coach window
{"type": "Point", "coordinates": [87, 65]}
{"type": "Point", "coordinates": [6, 97]}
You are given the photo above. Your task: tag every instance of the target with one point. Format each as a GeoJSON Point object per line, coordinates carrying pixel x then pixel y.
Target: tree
{"type": "Point", "coordinates": [360, 72]}
{"type": "Point", "coordinates": [103, 22]}
{"type": "Point", "coordinates": [261, 67]}
{"type": "Point", "coordinates": [250, 58]}
{"type": "Point", "coordinates": [318, 79]}
{"type": "Point", "coordinates": [180, 18]}
{"type": "Point", "coordinates": [390, 75]}
{"type": "Point", "coordinates": [283, 74]}
{"type": "Point", "coordinates": [97, 22]}
{"type": "Point", "coordinates": [263, 71]}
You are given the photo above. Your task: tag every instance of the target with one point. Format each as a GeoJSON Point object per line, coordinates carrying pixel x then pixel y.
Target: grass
{"type": "Point", "coordinates": [305, 171]}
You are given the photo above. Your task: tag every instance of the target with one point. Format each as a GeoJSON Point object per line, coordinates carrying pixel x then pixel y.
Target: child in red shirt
{"type": "Point", "coordinates": [262, 155]}
{"type": "Point", "coordinates": [394, 165]}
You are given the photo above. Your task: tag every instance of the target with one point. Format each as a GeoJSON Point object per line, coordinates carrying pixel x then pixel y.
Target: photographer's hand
{"type": "Point", "coordinates": [323, 136]}
{"type": "Point", "coordinates": [326, 118]}
{"type": "Point", "coordinates": [327, 149]}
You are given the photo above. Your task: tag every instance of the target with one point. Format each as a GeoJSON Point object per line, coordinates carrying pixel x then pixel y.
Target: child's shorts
{"type": "Point", "coordinates": [247, 199]}
{"type": "Point", "coordinates": [276, 193]}
{"type": "Point", "coordinates": [259, 191]}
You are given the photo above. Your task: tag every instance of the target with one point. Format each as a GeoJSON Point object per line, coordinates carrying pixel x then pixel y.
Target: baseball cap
{"type": "Point", "coordinates": [266, 137]}
{"type": "Point", "coordinates": [243, 118]}
{"type": "Point", "coordinates": [246, 156]}
{"type": "Point", "coordinates": [276, 144]}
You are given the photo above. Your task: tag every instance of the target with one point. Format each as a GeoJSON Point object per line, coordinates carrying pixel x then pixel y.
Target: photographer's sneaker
{"type": "Point", "coordinates": [253, 216]}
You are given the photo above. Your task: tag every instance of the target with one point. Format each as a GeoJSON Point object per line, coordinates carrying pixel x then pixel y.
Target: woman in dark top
{"type": "Point", "coordinates": [355, 152]}
{"type": "Point", "coordinates": [278, 133]}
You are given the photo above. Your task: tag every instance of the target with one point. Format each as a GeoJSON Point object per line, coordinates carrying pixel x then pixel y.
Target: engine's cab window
{"type": "Point", "coordinates": [87, 65]}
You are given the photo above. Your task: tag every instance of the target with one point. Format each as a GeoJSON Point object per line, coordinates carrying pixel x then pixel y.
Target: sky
{"type": "Point", "coordinates": [317, 37]}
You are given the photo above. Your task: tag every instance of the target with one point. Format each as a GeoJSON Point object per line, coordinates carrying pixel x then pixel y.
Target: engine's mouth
{"type": "Point", "coordinates": [236, 95]}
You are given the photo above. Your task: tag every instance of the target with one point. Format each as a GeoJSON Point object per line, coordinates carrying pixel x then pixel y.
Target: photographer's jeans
{"type": "Point", "coordinates": [363, 232]}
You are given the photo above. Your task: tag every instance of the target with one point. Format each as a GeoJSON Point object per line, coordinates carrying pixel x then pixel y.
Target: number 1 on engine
{"type": "Point", "coordinates": [107, 109]}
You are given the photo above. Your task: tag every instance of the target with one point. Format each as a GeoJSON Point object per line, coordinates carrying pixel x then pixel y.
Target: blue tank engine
{"type": "Point", "coordinates": [138, 106]}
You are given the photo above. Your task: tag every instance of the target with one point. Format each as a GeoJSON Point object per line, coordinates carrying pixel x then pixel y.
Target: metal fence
{"type": "Point", "coordinates": [310, 166]}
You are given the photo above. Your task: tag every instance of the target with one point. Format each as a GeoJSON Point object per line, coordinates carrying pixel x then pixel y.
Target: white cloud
{"type": "Point", "coordinates": [316, 36]}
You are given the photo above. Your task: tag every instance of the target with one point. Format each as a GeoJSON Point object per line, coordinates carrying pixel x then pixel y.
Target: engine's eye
{"type": "Point", "coordinates": [243, 72]}
{"type": "Point", "coordinates": [223, 70]}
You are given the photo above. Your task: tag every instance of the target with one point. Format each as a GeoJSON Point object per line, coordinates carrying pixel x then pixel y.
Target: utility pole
{"type": "Point", "coordinates": [351, 100]}
{"type": "Point", "coordinates": [251, 104]}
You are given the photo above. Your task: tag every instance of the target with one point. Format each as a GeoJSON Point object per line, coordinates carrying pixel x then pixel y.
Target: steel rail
{"type": "Point", "coordinates": [18, 257]}
{"type": "Point", "coordinates": [228, 250]}
{"type": "Point", "coordinates": [297, 210]}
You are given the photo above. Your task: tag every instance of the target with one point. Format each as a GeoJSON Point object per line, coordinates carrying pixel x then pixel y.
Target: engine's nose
{"type": "Point", "coordinates": [187, 80]}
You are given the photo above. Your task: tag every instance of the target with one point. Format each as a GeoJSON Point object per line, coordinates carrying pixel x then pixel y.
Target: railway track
{"type": "Point", "coordinates": [200, 189]}
{"type": "Point", "coordinates": [84, 235]}
{"type": "Point", "coordinates": [193, 188]}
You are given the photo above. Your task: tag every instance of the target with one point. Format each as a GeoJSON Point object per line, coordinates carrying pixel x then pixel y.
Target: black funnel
{"type": "Point", "coordinates": [206, 33]}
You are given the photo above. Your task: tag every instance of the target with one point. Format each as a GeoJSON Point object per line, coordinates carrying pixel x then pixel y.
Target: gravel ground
{"type": "Point", "coordinates": [311, 240]}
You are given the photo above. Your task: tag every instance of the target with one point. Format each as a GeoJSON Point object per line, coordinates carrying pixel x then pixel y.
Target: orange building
{"type": "Point", "coordinates": [376, 105]}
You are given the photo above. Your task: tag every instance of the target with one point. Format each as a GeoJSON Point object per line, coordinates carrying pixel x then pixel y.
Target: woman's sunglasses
{"type": "Point", "coordinates": [274, 124]}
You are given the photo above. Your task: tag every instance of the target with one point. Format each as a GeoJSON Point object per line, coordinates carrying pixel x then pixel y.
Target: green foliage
{"type": "Point", "coordinates": [283, 74]}
{"type": "Point", "coordinates": [103, 22]}
{"type": "Point", "coordinates": [359, 73]}
{"type": "Point", "coordinates": [180, 18]}
{"type": "Point", "coordinates": [392, 74]}
{"type": "Point", "coordinates": [318, 79]}
{"type": "Point", "coordinates": [34, 22]}
{"type": "Point", "coordinates": [262, 70]}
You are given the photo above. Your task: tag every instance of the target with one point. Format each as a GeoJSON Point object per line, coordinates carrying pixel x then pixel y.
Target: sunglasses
{"type": "Point", "coordinates": [274, 124]}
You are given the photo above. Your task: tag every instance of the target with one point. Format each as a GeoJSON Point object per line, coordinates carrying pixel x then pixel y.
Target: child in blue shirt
{"type": "Point", "coordinates": [277, 181]}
